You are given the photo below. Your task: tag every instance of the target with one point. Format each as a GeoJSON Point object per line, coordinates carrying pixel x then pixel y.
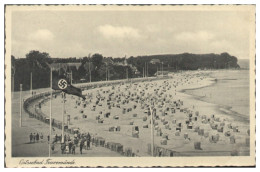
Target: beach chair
{"type": "Point", "coordinates": [163, 142]}
{"type": "Point", "coordinates": [116, 117]}
{"type": "Point", "coordinates": [100, 120]}
{"type": "Point", "coordinates": [232, 140]}
{"type": "Point", "coordinates": [135, 131]}
{"type": "Point", "coordinates": [197, 145]}
{"type": "Point", "coordinates": [201, 132]}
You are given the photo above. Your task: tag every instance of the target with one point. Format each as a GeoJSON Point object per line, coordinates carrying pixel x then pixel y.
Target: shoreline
{"type": "Point", "coordinates": [225, 109]}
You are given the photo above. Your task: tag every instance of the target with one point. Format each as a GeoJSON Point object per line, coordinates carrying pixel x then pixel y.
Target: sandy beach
{"type": "Point", "coordinates": [184, 123]}
{"type": "Point", "coordinates": [172, 105]}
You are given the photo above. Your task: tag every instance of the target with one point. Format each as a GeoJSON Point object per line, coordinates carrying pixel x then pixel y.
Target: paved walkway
{"type": "Point", "coordinates": [21, 146]}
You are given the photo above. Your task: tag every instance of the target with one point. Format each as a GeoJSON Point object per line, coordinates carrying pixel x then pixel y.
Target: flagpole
{"type": "Point", "coordinates": [106, 72]}
{"type": "Point", "coordinates": [157, 72]}
{"type": "Point", "coordinates": [63, 107]}
{"type": "Point", "coordinates": [13, 86]}
{"type": "Point", "coordinates": [147, 71]}
{"type": "Point", "coordinates": [50, 113]}
{"type": "Point", "coordinates": [21, 87]}
{"type": "Point", "coordinates": [31, 84]}
{"type": "Point", "coordinates": [59, 68]}
{"type": "Point", "coordinates": [13, 69]}
{"type": "Point", "coordinates": [71, 78]}
{"type": "Point", "coordinates": [152, 135]}
{"type": "Point", "coordinates": [89, 71]}
{"type": "Point", "coordinates": [162, 68]}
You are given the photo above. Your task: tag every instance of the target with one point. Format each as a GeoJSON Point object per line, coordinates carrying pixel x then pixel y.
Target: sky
{"type": "Point", "coordinates": [130, 33]}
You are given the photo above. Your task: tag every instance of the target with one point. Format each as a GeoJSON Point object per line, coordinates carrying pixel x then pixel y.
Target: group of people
{"type": "Point", "coordinates": [68, 147]}
{"type": "Point", "coordinates": [85, 142]}
{"type": "Point", "coordinates": [71, 143]}
{"type": "Point", "coordinates": [35, 137]}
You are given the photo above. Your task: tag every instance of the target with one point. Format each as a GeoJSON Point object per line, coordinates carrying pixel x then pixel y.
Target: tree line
{"type": "Point", "coordinates": [103, 68]}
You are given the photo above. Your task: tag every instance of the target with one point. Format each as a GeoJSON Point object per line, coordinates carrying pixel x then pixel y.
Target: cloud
{"type": "Point", "coordinates": [109, 31]}
{"type": "Point", "coordinates": [42, 35]}
{"type": "Point", "coordinates": [152, 28]}
{"type": "Point", "coordinates": [223, 45]}
{"type": "Point", "coordinates": [195, 36]}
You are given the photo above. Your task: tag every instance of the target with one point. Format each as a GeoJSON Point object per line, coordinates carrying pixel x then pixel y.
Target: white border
{"type": "Point", "coordinates": [111, 2]}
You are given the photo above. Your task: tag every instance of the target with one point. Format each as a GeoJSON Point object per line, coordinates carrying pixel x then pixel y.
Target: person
{"type": "Point", "coordinates": [76, 141]}
{"type": "Point", "coordinates": [56, 138]}
{"type": "Point", "coordinates": [52, 146]}
{"type": "Point", "coordinates": [31, 137]}
{"type": "Point", "coordinates": [37, 137]}
{"type": "Point", "coordinates": [34, 137]}
{"type": "Point", "coordinates": [81, 146]}
{"type": "Point", "coordinates": [62, 148]}
{"type": "Point", "coordinates": [48, 138]}
{"type": "Point", "coordinates": [73, 149]}
{"type": "Point", "coordinates": [70, 145]}
{"type": "Point", "coordinates": [88, 141]}
{"type": "Point", "coordinates": [41, 136]}
{"type": "Point", "coordinates": [85, 143]}
{"type": "Point", "coordinates": [75, 135]}
{"type": "Point", "coordinates": [67, 149]}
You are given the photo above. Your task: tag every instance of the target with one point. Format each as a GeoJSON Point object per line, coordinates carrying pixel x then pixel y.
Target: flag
{"type": "Point", "coordinates": [61, 83]}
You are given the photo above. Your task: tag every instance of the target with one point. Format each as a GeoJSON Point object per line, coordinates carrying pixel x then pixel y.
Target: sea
{"type": "Point", "coordinates": [230, 91]}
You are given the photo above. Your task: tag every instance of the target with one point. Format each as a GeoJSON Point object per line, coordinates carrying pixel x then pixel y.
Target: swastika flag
{"type": "Point", "coordinates": [61, 83]}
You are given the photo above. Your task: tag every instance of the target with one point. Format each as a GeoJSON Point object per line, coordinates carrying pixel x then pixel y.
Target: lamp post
{"type": "Point", "coordinates": [31, 84]}
{"type": "Point", "coordinates": [50, 113]}
{"type": "Point", "coordinates": [13, 69]}
{"type": "Point", "coordinates": [157, 72]}
{"type": "Point", "coordinates": [21, 88]}
{"type": "Point", "coordinates": [63, 110]}
{"type": "Point", "coordinates": [152, 132]}
{"type": "Point", "coordinates": [162, 69]}
{"type": "Point", "coordinates": [106, 72]}
{"type": "Point", "coordinates": [89, 67]}
{"type": "Point", "coordinates": [147, 71]}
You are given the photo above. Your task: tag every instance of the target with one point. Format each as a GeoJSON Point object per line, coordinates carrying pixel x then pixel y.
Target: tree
{"type": "Point", "coordinates": [82, 72]}
{"type": "Point", "coordinates": [38, 59]}
{"type": "Point", "coordinates": [12, 64]}
{"type": "Point", "coordinates": [37, 63]}
{"type": "Point", "coordinates": [97, 60]}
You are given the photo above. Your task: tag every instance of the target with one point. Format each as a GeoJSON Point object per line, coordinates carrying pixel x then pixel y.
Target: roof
{"type": "Point", "coordinates": [155, 61]}
{"type": "Point", "coordinates": [64, 65]}
{"type": "Point", "coordinates": [108, 60]}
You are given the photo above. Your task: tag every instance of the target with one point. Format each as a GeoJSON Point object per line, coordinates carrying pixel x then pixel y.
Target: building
{"type": "Point", "coordinates": [64, 66]}
{"type": "Point", "coordinates": [122, 63]}
{"type": "Point", "coordinates": [108, 61]}
{"type": "Point", "coordinates": [154, 61]}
